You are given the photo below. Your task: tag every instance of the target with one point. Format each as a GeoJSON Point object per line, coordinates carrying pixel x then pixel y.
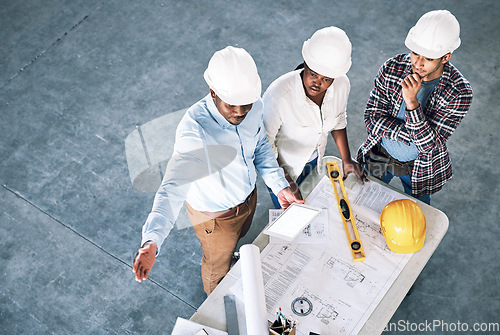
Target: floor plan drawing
{"type": "Point", "coordinates": [347, 272]}
{"type": "Point", "coordinates": [319, 284]}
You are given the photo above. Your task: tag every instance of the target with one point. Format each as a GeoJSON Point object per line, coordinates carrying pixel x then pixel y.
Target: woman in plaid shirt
{"type": "Point", "coordinates": [417, 102]}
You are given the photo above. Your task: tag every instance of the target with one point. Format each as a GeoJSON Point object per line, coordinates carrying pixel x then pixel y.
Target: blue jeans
{"type": "Point", "coordinates": [406, 181]}
{"type": "Point", "coordinates": [308, 168]}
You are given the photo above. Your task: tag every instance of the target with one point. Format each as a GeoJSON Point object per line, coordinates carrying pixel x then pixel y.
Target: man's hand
{"type": "Point", "coordinates": [411, 86]}
{"type": "Point", "coordinates": [286, 197]}
{"type": "Point", "coordinates": [359, 171]}
{"type": "Point", "coordinates": [295, 189]}
{"type": "Point", "coordinates": [144, 261]}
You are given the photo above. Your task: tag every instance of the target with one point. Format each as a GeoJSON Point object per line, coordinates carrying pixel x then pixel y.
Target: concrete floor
{"type": "Point", "coordinates": [77, 77]}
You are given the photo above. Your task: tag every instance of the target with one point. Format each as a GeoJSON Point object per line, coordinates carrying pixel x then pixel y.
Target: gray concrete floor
{"type": "Point", "coordinates": [76, 77]}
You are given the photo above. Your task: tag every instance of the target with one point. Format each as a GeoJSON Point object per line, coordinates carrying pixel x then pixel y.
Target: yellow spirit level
{"type": "Point", "coordinates": [358, 254]}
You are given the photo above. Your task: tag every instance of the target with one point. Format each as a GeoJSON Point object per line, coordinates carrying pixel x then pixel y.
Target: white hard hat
{"type": "Point", "coordinates": [232, 75]}
{"type": "Point", "coordinates": [434, 35]}
{"type": "Point", "coordinates": [328, 52]}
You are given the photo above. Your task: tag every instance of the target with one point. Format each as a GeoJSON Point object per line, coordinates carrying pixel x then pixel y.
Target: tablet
{"type": "Point", "coordinates": [291, 222]}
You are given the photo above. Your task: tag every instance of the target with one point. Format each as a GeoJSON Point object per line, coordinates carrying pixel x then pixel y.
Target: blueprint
{"type": "Point", "coordinates": [371, 198]}
{"type": "Point", "coordinates": [320, 285]}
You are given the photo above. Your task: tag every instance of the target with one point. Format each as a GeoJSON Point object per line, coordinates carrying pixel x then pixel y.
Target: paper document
{"type": "Point", "coordinates": [371, 198]}
{"type": "Point", "coordinates": [187, 327]}
{"type": "Point", "coordinates": [342, 294]}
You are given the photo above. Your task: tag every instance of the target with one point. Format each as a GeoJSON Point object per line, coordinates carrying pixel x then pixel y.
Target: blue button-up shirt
{"type": "Point", "coordinates": [213, 167]}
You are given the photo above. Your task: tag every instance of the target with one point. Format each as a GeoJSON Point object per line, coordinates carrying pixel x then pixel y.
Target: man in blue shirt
{"type": "Point", "coordinates": [220, 193]}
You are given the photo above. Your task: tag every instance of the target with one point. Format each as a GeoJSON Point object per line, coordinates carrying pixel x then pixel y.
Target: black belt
{"type": "Point", "coordinates": [379, 157]}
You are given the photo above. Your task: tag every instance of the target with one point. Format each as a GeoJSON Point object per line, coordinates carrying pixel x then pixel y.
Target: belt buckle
{"type": "Point", "coordinates": [398, 163]}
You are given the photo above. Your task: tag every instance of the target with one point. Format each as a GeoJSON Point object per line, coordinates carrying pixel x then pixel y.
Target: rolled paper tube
{"type": "Point", "coordinates": [253, 290]}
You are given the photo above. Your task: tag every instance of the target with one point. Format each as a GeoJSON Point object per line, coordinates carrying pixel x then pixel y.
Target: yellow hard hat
{"type": "Point", "coordinates": [403, 225]}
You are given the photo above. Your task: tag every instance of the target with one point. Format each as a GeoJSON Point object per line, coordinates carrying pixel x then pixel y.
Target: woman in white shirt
{"type": "Point", "coordinates": [301, 107]}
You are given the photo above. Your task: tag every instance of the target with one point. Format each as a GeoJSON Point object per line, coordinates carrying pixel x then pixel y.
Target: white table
{"type": "Point", "coordinates": [211, 312]}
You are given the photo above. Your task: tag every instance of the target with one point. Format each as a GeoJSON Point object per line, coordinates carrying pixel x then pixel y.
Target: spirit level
{"type": "Point", "coordinates": [358, 254]}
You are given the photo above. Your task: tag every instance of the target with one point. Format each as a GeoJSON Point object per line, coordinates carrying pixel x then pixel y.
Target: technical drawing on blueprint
{"type": "Point", "coordinates": [320, 285]}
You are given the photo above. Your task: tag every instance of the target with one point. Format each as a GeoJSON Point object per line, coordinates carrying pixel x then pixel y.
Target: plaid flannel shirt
{"type": "Point", "coordinates": [429, 127]}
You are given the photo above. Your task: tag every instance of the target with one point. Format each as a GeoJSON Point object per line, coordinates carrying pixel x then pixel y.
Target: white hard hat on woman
{"type": "Point", "coordinates": [328, 52]}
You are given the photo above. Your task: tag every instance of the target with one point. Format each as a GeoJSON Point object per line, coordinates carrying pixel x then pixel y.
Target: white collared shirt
{"type": "Point", "coordinates": [296, 127]}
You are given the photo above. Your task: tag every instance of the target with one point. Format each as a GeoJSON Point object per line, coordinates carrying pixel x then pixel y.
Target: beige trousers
{"type": "Point", "coordinates": [218, 238]}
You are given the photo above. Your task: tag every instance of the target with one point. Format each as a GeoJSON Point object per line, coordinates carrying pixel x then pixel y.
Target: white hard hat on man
{"type": "Point", "coordinates": [232, 75]}
{"type": "Point", "coordinates": [435, 34]}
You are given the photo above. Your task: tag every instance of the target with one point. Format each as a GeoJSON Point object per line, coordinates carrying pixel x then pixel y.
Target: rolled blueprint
{"type": "Point", "coordinates": [253, 290]}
